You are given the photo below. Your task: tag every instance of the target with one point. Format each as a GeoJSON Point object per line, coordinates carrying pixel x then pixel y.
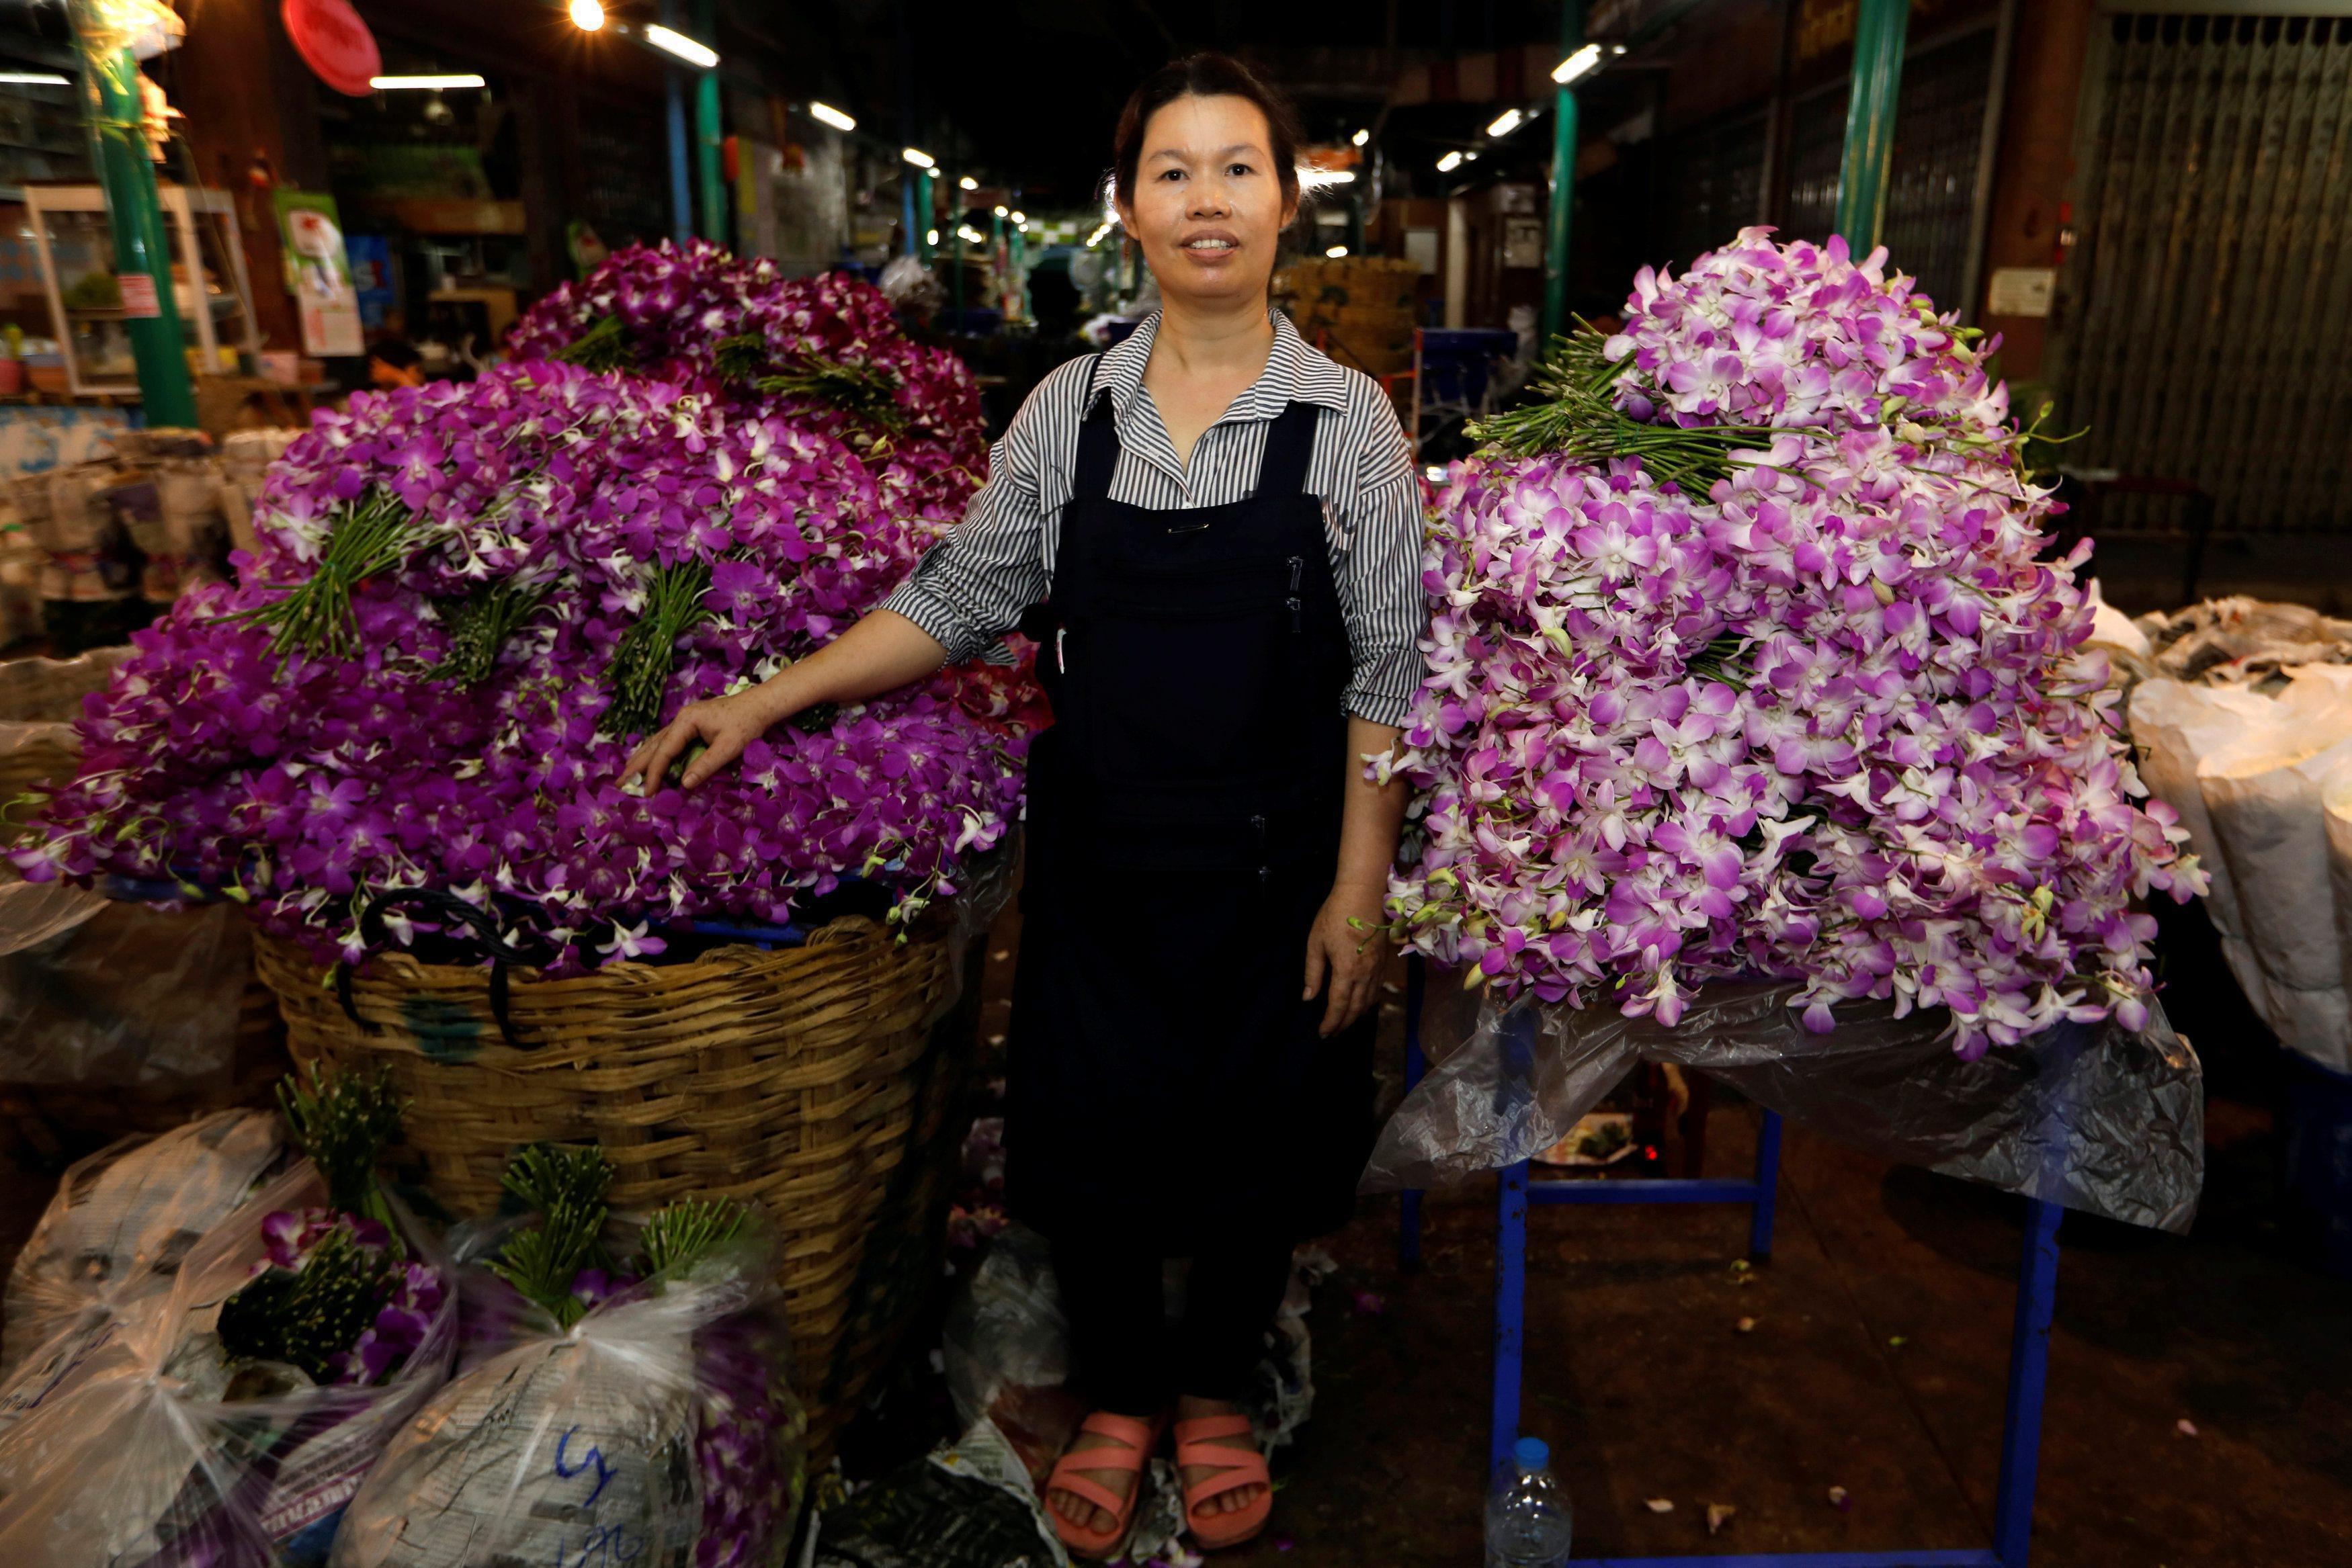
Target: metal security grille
{"type": "Point", "coordinates": [1710, 185]}
{"type": "Point", "coordinates": [1932, 183]}
{"type": "Point", "coordinates": [2209, 301]}
{"type": "Point", "coordinates": [626, 192]}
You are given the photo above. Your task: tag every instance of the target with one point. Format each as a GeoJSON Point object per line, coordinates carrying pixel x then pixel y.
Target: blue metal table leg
{"type": "Point", "coordinates": [1416, 977]}
{"type": "Point", "coordinates": [2029, 1371]}
{"type": "Point", "coordinates": [1767, 1186]}
{"type": "Point", "coordinates": [1510, 1310]}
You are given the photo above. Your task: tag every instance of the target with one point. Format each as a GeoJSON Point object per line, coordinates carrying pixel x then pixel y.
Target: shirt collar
{"type": "Point", "coordinates": [1295, 371]}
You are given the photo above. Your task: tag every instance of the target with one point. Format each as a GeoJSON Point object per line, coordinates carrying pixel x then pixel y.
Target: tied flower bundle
{"type": "Point", "coordinates": [469, 604]}
{"type": "Point", "coordinates": [1742, 664]}
{"type": "Point", "coordinates": [625, 1396]}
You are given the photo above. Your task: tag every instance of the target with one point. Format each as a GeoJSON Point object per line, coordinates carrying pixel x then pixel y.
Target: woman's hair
{"type": "Point", "coordinates": [1203, 76]}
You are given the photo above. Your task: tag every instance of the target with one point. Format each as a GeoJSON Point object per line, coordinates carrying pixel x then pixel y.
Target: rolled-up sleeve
{"type": "Point", "coordinates": [971, 587]}
{"type": "Point", "coordinates": [1387, 611]}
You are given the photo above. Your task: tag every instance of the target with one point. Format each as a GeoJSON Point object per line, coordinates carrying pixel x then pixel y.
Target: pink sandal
{"type": "Point", "coordinates": [1129, 1451]}
{"type": "Point", "coordinates": [1236, 1467]}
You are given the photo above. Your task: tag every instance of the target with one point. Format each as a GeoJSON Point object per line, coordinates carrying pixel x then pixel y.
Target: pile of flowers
{"type": "Point", "coordinates": [471, 601]}
{"type": "Point", "coordinates": [1742, 664]}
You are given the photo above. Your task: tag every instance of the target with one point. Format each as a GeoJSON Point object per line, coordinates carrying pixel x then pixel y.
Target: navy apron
{"type": "Point", "coordinates": [1167, 1082]}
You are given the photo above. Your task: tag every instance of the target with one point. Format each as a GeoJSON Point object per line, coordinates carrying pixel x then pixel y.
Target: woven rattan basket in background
{"type": "Point", "coordinates": [817, 1081]}
{"type": "Point", "coordinates": [39, 698]}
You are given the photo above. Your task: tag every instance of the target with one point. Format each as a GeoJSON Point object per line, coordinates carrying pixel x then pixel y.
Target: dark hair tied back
{"type": "Point", "coordinates": [1204, 76]}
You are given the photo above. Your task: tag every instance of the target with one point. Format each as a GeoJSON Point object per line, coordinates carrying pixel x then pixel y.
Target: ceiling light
{"type": "Point", "coordinates": [1020, 217]}
{"type": "Point", "coordinates": [1338, 177]}
{"type": "Point", "coordinates": [918, 157]}
{"type": "Point", "coordinates": [1337, 250]}
{"type": "Point", "coordinates": [826, 114]}
{"type": "Point", "coordinates": [930, 236]}
{"type": "Point", "coordinates": [971, 235]}
{"type": "Point", "coordinates": [1471, 157]}
{"type": "Point", "coordinates": [1505, 123]}
{"type": "Point", "coordinates": [33, 79]}
{"type": "Point", "coordinates": [1000, 210]}
{"type": "Point", "coordinates": [680, 45]}
{"type": "Point", "coordinates": [968, 184]}
{"type": "Point", "coordinates": [587, 15]}
{"type": "Point", "coordinates": [1361, 137]}
{"type": "Point", "coordinates": [1581, 64]}
{"type": "Point", "coordinates": [401, 84]}
{"type": "Point", "coordinates": [1451, 161]}
{"type": "Point", "coordinates": [1096, 238]}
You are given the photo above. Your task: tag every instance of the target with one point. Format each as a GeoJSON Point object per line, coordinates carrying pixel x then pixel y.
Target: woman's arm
{"type": "Point", "coordinates": [881, 653]}
{"type": "Point", "coordinates": [969, 588]}
{"type": "Point", "coordinates": [1346, 943]}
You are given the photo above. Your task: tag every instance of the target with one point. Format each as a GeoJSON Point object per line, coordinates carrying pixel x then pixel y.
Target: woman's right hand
{"type": "Point", "coordinates": [725, 725]}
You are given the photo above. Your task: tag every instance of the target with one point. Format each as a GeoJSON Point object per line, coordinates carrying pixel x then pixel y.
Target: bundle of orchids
{"type": "Point", "coordinates": [471, 601]}
{"type": "Point", "coordinates": [1743, 664]}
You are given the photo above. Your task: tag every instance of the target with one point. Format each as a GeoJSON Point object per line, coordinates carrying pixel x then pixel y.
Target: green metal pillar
{"type": "Point", "coordinates": [709, 177]}
{"type": "Point", "coordinates": [1019, 279]}
{"type": "Point", "coordinates": [142, 249]}
{"type": "Point", "coordinates": [996, 260]}
{"type": "Point", "coordinates": [1870, 121]}
{"type": "Point", "coordinates": [924, 220]}
{"type": "Point", "coordinates": [963, 250]}
{"type": "Point", "coordinates": [1563, 179]}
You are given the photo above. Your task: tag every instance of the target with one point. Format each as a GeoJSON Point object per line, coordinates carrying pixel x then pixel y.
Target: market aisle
{"type": "Point", "coordinates": [1640, 1377]}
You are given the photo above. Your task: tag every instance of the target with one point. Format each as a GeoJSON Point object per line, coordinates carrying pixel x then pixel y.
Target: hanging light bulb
{"type": "Point", "coordinates": [587, 15]}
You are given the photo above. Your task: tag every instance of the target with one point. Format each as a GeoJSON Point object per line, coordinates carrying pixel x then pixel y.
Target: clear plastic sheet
{"type": "Point", "coordinates": [104, 995]}
{"type": "Point", "coordinates": [123, 1221]}
{"type": "Point", "coordinates": [141, 1444]}
{"type": "Point", "coordinates": [2093, 1117]}
{"type": "Point", "coordinates": [657, 1429]}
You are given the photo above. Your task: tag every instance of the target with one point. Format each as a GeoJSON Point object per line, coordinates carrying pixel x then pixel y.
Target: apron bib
{"type": "Point", "coordinates": [1166, 1084]}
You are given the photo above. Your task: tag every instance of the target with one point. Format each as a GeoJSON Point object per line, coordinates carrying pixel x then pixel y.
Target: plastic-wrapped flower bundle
{"type": "Point", "coordinates": [469, 603]}
{"type": "Point", "coordinates": [623, 1397]}
{"type": "Point", "coordinates": [1743, 664]}
{"type": "Point", "coordinates": [231, 1421]}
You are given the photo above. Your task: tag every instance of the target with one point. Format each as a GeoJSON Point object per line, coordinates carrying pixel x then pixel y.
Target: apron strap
{"type": "Point", "coordinates": [1098, 445]}
{"type": "Point", "coordinates": [1289, 443]}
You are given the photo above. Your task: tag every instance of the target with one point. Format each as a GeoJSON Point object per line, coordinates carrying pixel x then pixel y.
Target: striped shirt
{"type": "Point", "coordinates": [973, 584]}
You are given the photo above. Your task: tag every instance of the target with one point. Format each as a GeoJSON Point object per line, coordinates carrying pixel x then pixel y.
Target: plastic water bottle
{"type": "Point", "coordinates": [1528, 1520]}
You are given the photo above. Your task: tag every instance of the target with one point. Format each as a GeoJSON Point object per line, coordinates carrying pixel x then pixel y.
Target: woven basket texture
{"type": "Point", "coordinates": [818, 1080]}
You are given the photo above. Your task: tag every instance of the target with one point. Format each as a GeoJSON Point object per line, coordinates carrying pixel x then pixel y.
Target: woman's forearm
{"type": "Point", "coordinates": [882, 652]}
{"type": "Point", "coordinates": [1373, 816]}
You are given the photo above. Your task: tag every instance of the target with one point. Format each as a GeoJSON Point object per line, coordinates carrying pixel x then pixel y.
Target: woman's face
{"type": "Point", "coordinates": [1208, 205]}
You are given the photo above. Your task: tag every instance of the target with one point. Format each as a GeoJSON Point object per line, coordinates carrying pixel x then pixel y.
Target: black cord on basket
{"type": "Point", "coordinates": [449, 909]}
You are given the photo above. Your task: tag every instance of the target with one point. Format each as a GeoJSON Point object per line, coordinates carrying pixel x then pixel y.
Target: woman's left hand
{"type": "Point", "coordinates": [1347, 946]}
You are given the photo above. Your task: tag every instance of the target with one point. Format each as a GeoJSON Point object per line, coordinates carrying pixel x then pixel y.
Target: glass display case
{"type": "Point", "coordinates": [209, 283]}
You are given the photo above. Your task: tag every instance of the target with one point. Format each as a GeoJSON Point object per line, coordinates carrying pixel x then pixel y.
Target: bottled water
{"type": "Point", "coordinates": [1528, 1521]}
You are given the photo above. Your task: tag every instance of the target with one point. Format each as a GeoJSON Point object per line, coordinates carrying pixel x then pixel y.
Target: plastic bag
{"type": "Point", "coordinates": [113, 1238]}
{"type": "Point", "coordinates": [2090, 1116]}
{"type": "Point", "coordinates": [658, 1431]}
{"type": "Point", "coordinates": [2176, 726]}
{"type": "Point", "coordinates": [967, 1505]}
{"type": "Point", "coordinates": [143, 1446]}
{"type": "Point", "coordinates": [2262, 795]}
{"type": "Point", "coordinates": [105, 994]}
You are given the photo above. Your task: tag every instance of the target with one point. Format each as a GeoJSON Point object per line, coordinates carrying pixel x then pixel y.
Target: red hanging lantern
{"type": "Point", "coordinates": [334, 43]}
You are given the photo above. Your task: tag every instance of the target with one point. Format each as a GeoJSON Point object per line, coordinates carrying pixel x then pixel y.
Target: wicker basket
{"type": "Point", "coordinates": [38, 700]}
{"type": "Point", "coordinates": [819, 1080]}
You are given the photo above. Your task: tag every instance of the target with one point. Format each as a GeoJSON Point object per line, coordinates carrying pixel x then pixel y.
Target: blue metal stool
{"type": "Point", "coordinates": [2029, 1350]}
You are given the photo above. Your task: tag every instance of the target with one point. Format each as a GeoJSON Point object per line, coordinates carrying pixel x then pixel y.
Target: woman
{"type": "Point", "coordinates": [1230, 529]}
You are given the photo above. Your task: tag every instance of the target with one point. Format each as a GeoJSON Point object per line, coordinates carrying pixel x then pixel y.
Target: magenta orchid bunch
{"type": "Point", "coordinates": [470, 602]}
{"type": "Point", "coordinates": [1810, 710]}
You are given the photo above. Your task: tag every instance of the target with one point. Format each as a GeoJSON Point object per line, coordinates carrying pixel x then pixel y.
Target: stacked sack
{"type": "Point", "coordinates": [2260, 773]}
{"type": "Point", "coordinates": [1359, 309]}
{"type": "Point", "coordinates": [246, 458]}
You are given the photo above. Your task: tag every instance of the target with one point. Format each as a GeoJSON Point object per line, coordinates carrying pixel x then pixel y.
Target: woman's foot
{"type": "Point", "coordinates": [1117, 1476]}
{"type": "Point", "coordinates": [1233, 1502]}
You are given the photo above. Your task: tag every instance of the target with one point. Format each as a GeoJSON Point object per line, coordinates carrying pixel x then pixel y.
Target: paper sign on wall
{"type": "Point", "coordinates": [2021, 292]}
{"type": "Point", "coordinates": [318, 273]}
